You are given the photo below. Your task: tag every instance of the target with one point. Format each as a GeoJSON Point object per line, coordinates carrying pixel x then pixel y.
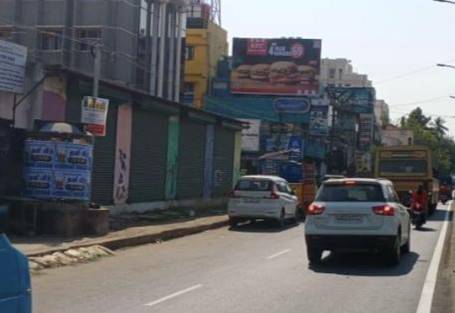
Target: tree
{"type": "Point", "coordinates": [416, 117]}
{"type": "Point", "coordinates": [439, 127]}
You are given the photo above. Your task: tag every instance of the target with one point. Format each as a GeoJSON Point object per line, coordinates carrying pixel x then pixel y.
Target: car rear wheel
{"type": "Point", "coordinates": [233, 222]}
{"type": "Point", "coordinates": [407, 246]}
{"type": "Point", "coordinates": [394, 252]}
{"type": "Point", "coordinates": [314, 255]}
{"type": "Point", "coordinates": [281, 222]}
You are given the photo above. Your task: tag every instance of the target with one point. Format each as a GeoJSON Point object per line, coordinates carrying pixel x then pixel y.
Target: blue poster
{"type": "Point", "coordinates": [73, 185]}
{"type": "Point", "coordinates": [72, 156]}
{"type": "Point", "coordinates": [295, 145]}
{"type": "Point", "coordinates": [319, 122]}
{"type": "Point", "coordinates": [39, 154]}
{"type": "Point", "coordinates": [38, 183]}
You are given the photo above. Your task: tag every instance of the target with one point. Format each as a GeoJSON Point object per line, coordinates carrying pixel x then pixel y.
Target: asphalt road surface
{"type": "Point", "coordinates": [253, 269]}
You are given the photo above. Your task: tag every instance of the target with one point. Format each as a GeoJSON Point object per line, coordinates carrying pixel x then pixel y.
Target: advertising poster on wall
{"type": "Point", "coordinates": [57, 170]}
{"type": "Point", "coordinates": [13, 59]}
{"type": "Point", "coordinates": [250, 135]}
{"type": "Point", "coordinates": [363, 162]}
{"type": "Point", "coordinates": [276, 66]}
{"type": "Point", "coordinates": [94, 115]}
{"type": "Point", "coordinates": [366, 124]}
{"type": "Point", "coordinates": [319, 122]}
{"type": "Point", "coordinates": [123, 158]}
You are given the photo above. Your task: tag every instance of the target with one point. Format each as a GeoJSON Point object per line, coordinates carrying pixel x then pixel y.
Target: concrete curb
{"type": "Point", "coordinates": [137, 240]}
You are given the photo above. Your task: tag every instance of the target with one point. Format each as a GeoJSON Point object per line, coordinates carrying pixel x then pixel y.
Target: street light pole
{"type": "Point", "coordinates": [446, 65]}
{"type": "Point", "coordinates": [446, 1]}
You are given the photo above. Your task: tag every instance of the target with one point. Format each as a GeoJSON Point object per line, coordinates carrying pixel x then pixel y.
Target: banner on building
{"type": "Point", "coordinates": [94, 115]}
{"type": "Point", "coordinates": [57, 170]}
{"type": "Point", "coordinates": [250, 135]}
{"type": "Point", "coordinates": [366, 125]}
{"type": "Point", "coordinates": [13, 59]}
{"type": "Point", "coordinates": [319, 122]}
{"type": "Point", "coordinates": [295, 146]}
{"type": "Point", "coordinates": [276, 66]}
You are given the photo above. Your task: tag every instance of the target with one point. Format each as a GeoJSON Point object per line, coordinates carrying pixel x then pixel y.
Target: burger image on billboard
{"type": "Point", "coordinates": [307, 73]}
{"type": "Point", "coordinates": [283, 73]}
{"type": "Point", "coordinates": [243, 71]}
{"type": "Point", "coordinates": [260, 72]}
{"type": "Point", "coordinates": [277, 66]}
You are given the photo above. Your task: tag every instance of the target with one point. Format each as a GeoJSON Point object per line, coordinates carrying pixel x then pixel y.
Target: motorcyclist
{"type": "Point", "coordinates": [419, 200]}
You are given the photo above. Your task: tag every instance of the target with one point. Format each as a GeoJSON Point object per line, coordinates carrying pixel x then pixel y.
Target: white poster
{"type": "Point", "coordinates": [94, 115]}
{"type": "Point", "coordinates": [13, 59]}
{"type": "Point", "coordinates": [250, 135]}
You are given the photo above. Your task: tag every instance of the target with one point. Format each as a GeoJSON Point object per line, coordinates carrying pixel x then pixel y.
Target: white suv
{"type": "Point", "coordinates": [357, 214]}
{"type": "Point", "coordinates": [262, 197]}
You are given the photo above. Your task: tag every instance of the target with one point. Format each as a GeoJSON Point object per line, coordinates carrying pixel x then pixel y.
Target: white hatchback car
{"type": "Point", "coordinates": [357, 214]}
{"type": "Point", "coordinates": [262, 197]}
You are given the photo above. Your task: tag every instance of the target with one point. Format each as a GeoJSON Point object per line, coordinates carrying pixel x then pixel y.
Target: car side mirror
{"type": "Point", "coordinates": [3, 218]}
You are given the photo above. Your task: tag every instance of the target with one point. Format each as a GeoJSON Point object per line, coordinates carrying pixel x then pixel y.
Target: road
{"type": "Point", "coordinates": [252, 269]}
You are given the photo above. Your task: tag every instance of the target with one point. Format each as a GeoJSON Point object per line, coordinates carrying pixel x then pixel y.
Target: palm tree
{"type": "Point", "coordinates": [439, 127]}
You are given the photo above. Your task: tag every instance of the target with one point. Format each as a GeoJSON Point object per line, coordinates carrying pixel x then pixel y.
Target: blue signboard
{"type": "Point", "coordinates": [319, 122]}
{"type": "Point", "coordinates": [292, 105]}
{"type": "Point", "coordinates": [295, 145]}
{"type": "Point", "coordinates": [57, 170]}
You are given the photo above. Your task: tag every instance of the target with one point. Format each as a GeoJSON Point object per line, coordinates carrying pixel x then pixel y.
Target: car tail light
{"type": "Point", "coordinates": [315, 209]}
{"type": "Point", "coordinates": [384, 210]}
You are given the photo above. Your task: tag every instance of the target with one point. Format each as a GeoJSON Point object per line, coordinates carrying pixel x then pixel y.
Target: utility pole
{"type": "Point", "coordinates": [96, 52]}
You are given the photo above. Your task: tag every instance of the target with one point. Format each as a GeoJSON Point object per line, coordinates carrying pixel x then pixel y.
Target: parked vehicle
{"type": "Point", "coordinates": [262, 197]}
{"type": "Point", "coordinates": [357, 214]}
{"type": "Point", "coordinates": [408, 167]}
{"type": "Point", "coordinates": [15, 287]}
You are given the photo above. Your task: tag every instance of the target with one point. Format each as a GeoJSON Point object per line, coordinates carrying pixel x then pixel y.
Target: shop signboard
{"type": "Point", "coordinates": [276, 66]}
{"type": "Point", "coordinates": [319, 122]}
{"type": "Point", "coordinates": [295, 146]}
{"type": "Point", "coordinates": [298, 105]}
{"type": "Point", "coordinates": [94, 115]}
{"type": "Point", "coordinates": [250, 135]}
{"type": "Point", "coordinates": [57, 170]}
{"type": "Point", "coordinates": [13, 59]}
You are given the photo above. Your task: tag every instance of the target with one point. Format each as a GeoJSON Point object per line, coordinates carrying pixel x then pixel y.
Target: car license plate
{"type": "Point", "coordinates": [251, 200]}
{"type": "Point", "coordinates": [349, 219]}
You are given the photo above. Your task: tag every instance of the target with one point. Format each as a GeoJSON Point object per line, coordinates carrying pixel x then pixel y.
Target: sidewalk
{"type": "Point", "coordinates": [444, 295]}
{"type": "Point", "coordinates": [130, 236]}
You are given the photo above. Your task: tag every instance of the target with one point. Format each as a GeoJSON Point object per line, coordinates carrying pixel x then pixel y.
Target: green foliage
{"type": "Point", "coordinates": [432, 134]}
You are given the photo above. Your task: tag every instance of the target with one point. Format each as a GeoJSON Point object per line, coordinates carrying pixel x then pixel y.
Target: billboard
{"type": "Point", "coordinates": [276, 66]}
{"type": "Point", "coordinates": [319, 122]}
{"type": "Point", "coordinates": [13, 59]}
{"type": "Point", "coordinates": [57, 170]}
{"type": "Point", "coordinates": [94, 115]}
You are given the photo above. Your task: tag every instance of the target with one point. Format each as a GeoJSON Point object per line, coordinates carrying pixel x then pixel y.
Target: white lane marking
{"type": "Point", "coordinates": [278, 254]}
{"type": "Point", "coordinates": [174, 295]}
{"type": "Point", "coordinates": [426, 298]}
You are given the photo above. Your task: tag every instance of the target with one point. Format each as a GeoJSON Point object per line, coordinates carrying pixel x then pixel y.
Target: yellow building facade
{"type": "Point", "coordinates": [204, 47]}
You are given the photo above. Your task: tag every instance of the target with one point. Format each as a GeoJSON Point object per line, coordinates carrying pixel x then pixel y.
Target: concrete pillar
{"type": "Point", "coordinates": [181, 17]}
{"type": "Point", "coordinates": [162, 41]}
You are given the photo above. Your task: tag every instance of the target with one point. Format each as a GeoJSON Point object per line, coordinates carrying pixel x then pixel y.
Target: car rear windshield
{"type": "Point", "coordinates": [254, 185]}
{"type": "Point", "coordinates": [350, 193]}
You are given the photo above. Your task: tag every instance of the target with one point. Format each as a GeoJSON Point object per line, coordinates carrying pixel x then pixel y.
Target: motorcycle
{"type": "Point", "coordinates": [418, 215]}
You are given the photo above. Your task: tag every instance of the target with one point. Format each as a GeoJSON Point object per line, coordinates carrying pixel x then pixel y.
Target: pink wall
{"type": "Point", "coordinates": [123, 153]}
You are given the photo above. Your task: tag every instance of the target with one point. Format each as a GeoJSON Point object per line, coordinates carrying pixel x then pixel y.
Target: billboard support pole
{"type": "Point", "coordinates": [16, 102]}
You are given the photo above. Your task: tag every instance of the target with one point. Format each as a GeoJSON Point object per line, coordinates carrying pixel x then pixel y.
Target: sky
{"type": "Point", "coordinates": [396, 42]}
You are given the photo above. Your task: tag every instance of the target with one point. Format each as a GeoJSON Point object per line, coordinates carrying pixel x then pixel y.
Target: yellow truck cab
{"type": "Point", "coordinates": [408, 167]}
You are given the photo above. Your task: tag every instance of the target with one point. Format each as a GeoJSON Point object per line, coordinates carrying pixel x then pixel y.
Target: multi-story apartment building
{"type": "Point", "coordinates": [340, 73]}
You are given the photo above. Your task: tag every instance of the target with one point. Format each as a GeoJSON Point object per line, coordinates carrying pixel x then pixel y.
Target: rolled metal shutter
{"type": "Point", "coordinates": [190, 175]}
{"type": "Point", "coordinates": [224, 161]}
{"type": "Point", "coordinates": [148, 156]}
{"type": "Point", "coordinates": [104, 161]}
